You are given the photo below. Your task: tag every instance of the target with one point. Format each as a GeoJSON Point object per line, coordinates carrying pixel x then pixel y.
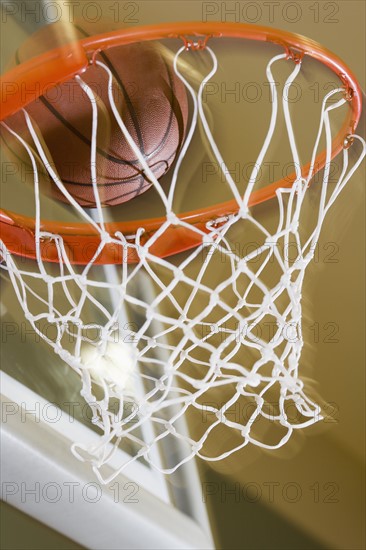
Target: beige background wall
{"type": "Point", "coordinates": [327, 462]}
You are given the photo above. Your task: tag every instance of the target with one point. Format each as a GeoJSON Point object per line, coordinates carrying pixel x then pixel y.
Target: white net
{"type": "Point", "coordinates": [195, 348]}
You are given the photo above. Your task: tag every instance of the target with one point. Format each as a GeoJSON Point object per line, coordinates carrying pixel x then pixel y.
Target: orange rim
{"type": "Point", "coordinates": [63, 63]}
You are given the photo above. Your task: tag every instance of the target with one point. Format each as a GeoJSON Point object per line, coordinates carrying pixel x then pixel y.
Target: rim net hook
{"type": "Point", "coordinates": [195, 45]}
{"type": "Point", "coordinates": [348, 90]}
{"type": "Point", "coordinates": [294, 54]}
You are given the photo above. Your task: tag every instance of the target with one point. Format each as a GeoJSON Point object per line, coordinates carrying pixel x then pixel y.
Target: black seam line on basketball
{"type": "Point", "coordinates": [85, 139]}
{"type": "Point", "coordinates": [127, 98]}
{"type": "Point", "coordinates": [109, 201]}
{"type": "Point", "coordinates": [87, 184]}
{"type": "Point", "coordinates": [172, 102]}
{"type": "Point", "coordinates": [175, 103]}
{"type": "Point", "coordinates": [134, 192]}
{"type": "Point", "coordinates": [80, 135]}
{"type": "Point", "coordinates": [170, 121]}
{"type": "Point", "coordinates": [120, 182]}
{"type": "Point", "coordinates": [131, 110]}
{"type": "Point", "coordinates": [131, 179]}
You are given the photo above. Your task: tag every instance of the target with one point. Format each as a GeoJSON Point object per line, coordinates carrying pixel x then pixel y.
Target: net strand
{"type": "Point", "coordinates": [183, 358]}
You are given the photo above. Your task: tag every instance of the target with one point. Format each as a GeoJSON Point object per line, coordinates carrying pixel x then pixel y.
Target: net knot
{"type": "Point", "coordinates": [267, 302]}
{"type": "Point", "coordinates": [267, 354]}
{"type": "Point", "coordinates": [196, 447]}
{"type": "Point", "coordinates": [286, 280]}
{"type": "Point", "coordinates": [243, 212]}
{"type": "Point", "coordinates": [170, 428]}
{"type": "Point", "coordinates": [294, 227]}
{"type": "Point", "coordinates": [214, 298]}
{"type": "Point", "coordinates": [270, 241]}
{"type": "Point", "coordinates": [245, 431]}
{"type": "Point", "coordinates": [160, 385]}
{"type": "Point", "coordinates": [182, 319]}
{"type": "Point", "coordinates": [217, 370]}
{"type": "Point", "coordinates": [301, 263]}
{"type": "Point", "coordinates": [150, 313]}
{"type": "Point", "coordinates": [242, 266]}
{"type": "Point", "coordinates": [184, 354]}
{"type": "Point", "coordinates": [152, 343]}
{"type": "Point", "coordinates": [141, 250]}
{"type": "Point", "coordinates": [214, 328]}
{"type": "Point", "coordinates": [241, 303]}
{"type": "Point", "coordinates": [178, 273]}
{"type": "Point", "coordinates": [105, 237]}
{"type": "Point", "coordinates": [254, 379]}
{"type": "Point", "coordinates": [172, 218]}
{"type": "Point", "coordinates": [143, 451]}
{"type": "Point", "coordinates": [292, 385]}
{"type": "Point", "coordinates": [144, 410]}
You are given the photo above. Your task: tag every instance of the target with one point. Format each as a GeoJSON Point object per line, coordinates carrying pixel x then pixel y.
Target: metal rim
{"type": "Point", "coordinates": [63, 63]}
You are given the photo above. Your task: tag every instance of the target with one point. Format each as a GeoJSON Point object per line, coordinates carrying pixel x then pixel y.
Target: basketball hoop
{"type": "Point", "coordinates": [183, 351]}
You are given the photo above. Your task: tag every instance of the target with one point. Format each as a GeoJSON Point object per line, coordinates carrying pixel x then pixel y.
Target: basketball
{"type": "Point", "coordinates": [153, 105]}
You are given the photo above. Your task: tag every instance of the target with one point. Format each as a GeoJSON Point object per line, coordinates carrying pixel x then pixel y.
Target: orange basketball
{"type": "Point", "coordinates": [151, 100]}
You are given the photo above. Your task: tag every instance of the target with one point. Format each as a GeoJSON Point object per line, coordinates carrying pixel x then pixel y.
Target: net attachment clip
{"type": "Point", "coordinates": [92, 57]}
{"type": "Point", "coordinates": [296, 54]}
{"type": "Point", "coordinates": [349, 139]}
{"type": "Point", "coordinates": [217, 223]}
{"type": "Point", "coordinates": [196, 44]}
{"type": "Point", "coordinates": [348, 90]}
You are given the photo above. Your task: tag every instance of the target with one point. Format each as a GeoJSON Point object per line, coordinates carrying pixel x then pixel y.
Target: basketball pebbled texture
{"type": "Point", "coordinates": [151, 100]}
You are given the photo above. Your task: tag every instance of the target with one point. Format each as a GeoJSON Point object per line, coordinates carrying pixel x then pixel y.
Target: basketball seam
{"type": "Point", "coordinates": [77, 132]}
{"type": "Point", "coordinates": [172, 103]}
{"type": "Point", "coordinates": [140, 177]}
{"type": "Point", "coordinates": [123, 181]}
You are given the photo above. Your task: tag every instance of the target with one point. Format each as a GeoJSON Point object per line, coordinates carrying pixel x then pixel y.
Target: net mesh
{"type": "Point", "coordinates": [195, 348]}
